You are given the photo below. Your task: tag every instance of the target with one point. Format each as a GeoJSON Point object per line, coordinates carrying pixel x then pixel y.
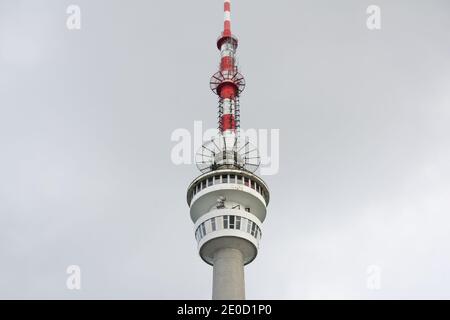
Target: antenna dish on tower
{"type": "Point", "coordinates": [230, 77]}
{"type": "Point", "coordinates": [227, 152]}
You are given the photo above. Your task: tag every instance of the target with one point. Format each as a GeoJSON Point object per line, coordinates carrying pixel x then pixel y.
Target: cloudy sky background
{"type": "Point", "coordinates": [86, 118]}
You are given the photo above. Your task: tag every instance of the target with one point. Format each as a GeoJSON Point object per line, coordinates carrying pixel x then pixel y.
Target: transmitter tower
{"type": "Point", "coordinates": [228, 200]}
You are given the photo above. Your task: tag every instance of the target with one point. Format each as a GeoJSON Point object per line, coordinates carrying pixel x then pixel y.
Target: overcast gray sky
{"type": "Point", "coordinates": [86, 117]}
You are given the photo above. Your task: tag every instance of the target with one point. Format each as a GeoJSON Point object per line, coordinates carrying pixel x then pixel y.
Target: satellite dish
{"type": "Point", "coordinates": [227, 152]}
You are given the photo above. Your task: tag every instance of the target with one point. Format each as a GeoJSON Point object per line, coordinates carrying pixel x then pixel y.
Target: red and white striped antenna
{"type": "Point", "coordinates": [227, 18]}
{"type": "Point", "coordinates": [228, 83]}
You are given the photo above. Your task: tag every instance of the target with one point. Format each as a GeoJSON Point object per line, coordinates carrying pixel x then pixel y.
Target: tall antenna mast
{"type": "Point", "coordinates": [228, 83]}
{"type": "Point", "coordinates": [227, 149]}
{"type": "Point", "coordinates": [228, 202]}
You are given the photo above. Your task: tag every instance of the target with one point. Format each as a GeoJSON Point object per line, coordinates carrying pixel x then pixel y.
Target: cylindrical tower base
{"type": "Point", "coordinates": [228, 275]}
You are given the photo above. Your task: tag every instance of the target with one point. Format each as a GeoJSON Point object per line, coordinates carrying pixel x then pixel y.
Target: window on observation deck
{"type": "Point", "coordinates": [225, 222]}
{"type": "Point", "coordinates": [238, 223]}
{"type": "Point", "coordinates": [243, 223]}
{"type": "Point", "coordinates": [203, 229]}
{"type": "Point", "coordinates": [249, 226]}
{"type": "Point", "coordinates": [213, 224]}
{"type": "Point", "coordinates": [219, 223]}
{"type": "Point", "coordinates": [253, 229]}
{"type": "Point", "coordinates": [232, 222]}
{"type": "Point", "coordinates": [216, 179]}
{"type": "Point", "coordinates": [239, 179]}
{"type": "Point", "coordinates": [203, 184]}
{"type": "Point", "coordinates": [232, 178]}
{"type": "Point", "coordinates": [210, 181]}
{"type": "Point", "coordinates": [253, 184]}
{"type": "Point", "coordinates": [224, 178]}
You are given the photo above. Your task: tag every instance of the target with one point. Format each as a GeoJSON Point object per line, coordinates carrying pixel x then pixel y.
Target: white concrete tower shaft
{"type": "Point", "coordinates": [228, 275]}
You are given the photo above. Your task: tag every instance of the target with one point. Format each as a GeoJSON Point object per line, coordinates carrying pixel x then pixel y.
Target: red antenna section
{"type": "Point", "coordinates": [228, 83]}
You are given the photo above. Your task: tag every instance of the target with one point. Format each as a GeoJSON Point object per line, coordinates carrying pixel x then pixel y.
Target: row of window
{"type": "Point", "coordinates": [228, 222]}
{"type": "Point", "coordinates": [227, 178]}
